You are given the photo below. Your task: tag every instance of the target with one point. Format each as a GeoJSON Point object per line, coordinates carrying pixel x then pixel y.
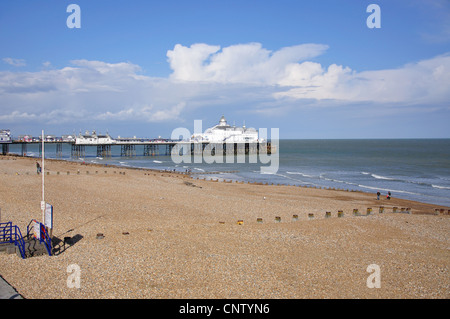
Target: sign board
{"type": "Point", "coordinates": [36, 230]}
{"type": "Point", "coordinates": [48, 216]}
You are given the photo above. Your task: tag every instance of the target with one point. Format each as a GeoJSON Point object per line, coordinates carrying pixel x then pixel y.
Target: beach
{"type": "Point", "coordinates": [167, 235]}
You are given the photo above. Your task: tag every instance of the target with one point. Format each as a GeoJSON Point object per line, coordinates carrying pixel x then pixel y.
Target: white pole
{"type": "Point", "coordinates": [43, 180]}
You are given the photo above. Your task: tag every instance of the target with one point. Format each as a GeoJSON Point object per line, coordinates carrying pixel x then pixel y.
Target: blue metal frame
{"type": "Point", "coordinates": [4, 233]}
{"type": "Point", "coordinates": [43, 236]}
{"type": "Point", "coordinates": [19, 242]}
{"type": "Point", "coordinates": [12, 234]}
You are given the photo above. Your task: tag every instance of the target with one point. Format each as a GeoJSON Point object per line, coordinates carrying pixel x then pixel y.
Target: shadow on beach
{"type": "Point", "coordinates": [60, 246]}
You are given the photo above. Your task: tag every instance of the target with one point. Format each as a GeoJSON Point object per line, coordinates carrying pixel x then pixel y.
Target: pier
{"type": "Point", "coordinates": [220, 140]}
{"type": "Point", "coordinates": [150, 148]}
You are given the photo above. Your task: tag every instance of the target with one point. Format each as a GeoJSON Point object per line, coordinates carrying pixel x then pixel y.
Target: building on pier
{"type": "Point", "coordinates": [5, 136]}
{"type": "Point", "coordinates": [94, 139]}
{"type": "Point", "coordinates": [5, 140]}
{"type": "Point", "coordinates": [225, 133]}
{"type": "Point", "coordinates": [68, 138]}
{"type": "Point", "coordinates": [25, 138]}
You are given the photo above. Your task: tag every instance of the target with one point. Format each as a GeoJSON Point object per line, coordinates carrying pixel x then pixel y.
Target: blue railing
{"type": "Point", "coordinates": [19, 242]}
{"type": "Point", "coordinates": [5, 231]}
{"type": "Point", "coordinates": [43, 236]}
{"type": "Point", "coordinates": [12, 234]}
{"type": "Point", "coordinates": [46, 239]}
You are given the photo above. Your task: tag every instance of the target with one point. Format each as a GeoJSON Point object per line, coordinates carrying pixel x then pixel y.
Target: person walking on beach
{"type": "Point", "coordinates": [378, 195]}
{"type": "Point", "coordinates": [388, 195]}
{"type": "Point", "coordinates": [38, 168]}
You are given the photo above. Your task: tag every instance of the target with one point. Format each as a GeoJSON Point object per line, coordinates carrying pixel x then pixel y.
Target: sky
{"type": "Point", "coordinates": [312, 68]}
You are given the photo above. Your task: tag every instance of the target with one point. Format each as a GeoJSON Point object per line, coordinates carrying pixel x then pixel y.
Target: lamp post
{"type": "Point", "coordinates": [43, 180]}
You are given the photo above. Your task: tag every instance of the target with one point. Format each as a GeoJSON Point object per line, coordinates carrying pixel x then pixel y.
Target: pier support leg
{"type": "Point", "coordinates": [128, 150]}
{"type": "Point", "coordinates": [78, 150]}
{"type": "Point", "coordinates": [5, 149]}
{"type": "Point", "coordinates": [58, 149]}
{"type": "Point", "coordinates": [103, 150]}
{"type": "Point", "coordinates": [147, 150]}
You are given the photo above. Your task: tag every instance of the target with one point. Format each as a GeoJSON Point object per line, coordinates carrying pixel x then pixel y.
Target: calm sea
{"type": "Point", "coordinates": [416, 169]}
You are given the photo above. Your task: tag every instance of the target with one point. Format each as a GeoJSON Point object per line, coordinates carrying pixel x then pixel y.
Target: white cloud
{"type": "Point", "coordinates": [296, 78]}
{"type": "Point", "coordinates": [17, 116]}
{"type": "Point", "coordinates": [92, 90]}
{"type": "Point", "coordinates": [244, 76]}
{"type": "Point", "coordinates": [427, 81]}
{"type": "Point", "coordinates": [187, 63]}
{"type": "Point", "coordinates": [14, 62]}
{"type": "Point", "coordinates": [243, 63]}
{"type": "Point", "coordinates": [146, 113]}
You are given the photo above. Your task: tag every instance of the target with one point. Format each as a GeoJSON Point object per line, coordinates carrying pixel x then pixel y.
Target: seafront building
{"type": "Point", "coordinates": [225, 133]}
{"type": "Point", "coordinates": [5, 140]}
{"type": "Point", "coordinates": [94, 139]}
{"type": "Point", "coordinates": [5, 136]}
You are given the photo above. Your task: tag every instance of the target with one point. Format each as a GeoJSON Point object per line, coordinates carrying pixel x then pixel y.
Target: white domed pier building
{"type": "Point", "coordinates": [226, 139]}
{"type": "Point", "coordinates": [225, 133]}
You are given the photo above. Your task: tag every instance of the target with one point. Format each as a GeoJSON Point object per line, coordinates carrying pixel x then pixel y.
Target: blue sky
{"type": "Point", "coordinates": [313, 69]}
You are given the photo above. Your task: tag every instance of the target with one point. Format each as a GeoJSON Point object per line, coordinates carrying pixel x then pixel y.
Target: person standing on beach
{"type": "Point", "coordinates": [388, 195]}
{"type": "Point", "coordinates": [378, 195]}
{"type": "Point", "coordinates": [38, 168]}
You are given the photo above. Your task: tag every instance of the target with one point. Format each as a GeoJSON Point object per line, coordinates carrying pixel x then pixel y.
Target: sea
{"type": "Point", "coordinates": [414, 169]}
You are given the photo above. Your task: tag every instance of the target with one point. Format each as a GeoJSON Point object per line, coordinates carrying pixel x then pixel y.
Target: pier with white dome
{"type": "Point", "coordinates": [228, 140]}
{"type": "Point", "coordinates": [225, 133]}
{"type": "Point", "coordinates": [219, 139]}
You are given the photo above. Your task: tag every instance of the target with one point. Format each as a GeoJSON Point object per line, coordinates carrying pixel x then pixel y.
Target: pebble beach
{"type": "Point", "coordinates": [167, 235]}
